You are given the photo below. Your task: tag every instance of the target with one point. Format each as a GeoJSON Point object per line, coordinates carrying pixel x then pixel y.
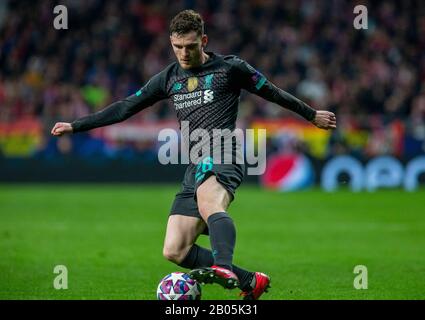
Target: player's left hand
{"type": "Point", "coordinates": [324, 120]}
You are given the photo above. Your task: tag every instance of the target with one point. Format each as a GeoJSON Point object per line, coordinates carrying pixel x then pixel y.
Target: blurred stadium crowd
{"type": "Point", "coordinates": [374, 79]}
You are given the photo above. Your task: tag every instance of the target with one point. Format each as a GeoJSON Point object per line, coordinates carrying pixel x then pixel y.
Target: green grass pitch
{"type": "Point", "coordinates": [110, 239]}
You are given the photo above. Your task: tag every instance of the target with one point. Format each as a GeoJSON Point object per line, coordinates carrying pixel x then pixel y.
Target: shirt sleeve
{"type": "Point", "coordinates": [252, 80]}
{"type": "Point", "coordinates": [149, 94]}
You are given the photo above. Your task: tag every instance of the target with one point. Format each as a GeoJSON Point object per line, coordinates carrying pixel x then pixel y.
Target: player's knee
{"type": "Point", "coordinates": [206, 201]}
{"type": "Point", "coordinates": [172, 255]}
{"type": "Point", "coordinates": [207, 208]}
{"type": "Point", "coordinates": [208, 204]}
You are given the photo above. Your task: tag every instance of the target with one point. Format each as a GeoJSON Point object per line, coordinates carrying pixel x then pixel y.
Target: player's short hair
{"type": "Point", "coordinates": [187, 21]}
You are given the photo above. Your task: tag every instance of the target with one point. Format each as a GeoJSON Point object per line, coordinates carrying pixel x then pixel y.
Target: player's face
{"type": "Point", "coordinates": [188, 48]}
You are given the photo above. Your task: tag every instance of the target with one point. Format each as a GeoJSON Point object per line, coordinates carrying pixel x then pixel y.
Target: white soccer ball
{"type": "Point", "coordinates": [178, 286]}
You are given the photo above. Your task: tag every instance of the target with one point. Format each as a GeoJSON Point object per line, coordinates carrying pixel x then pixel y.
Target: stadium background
{"type": "Point", "coordinates": [374, 80]}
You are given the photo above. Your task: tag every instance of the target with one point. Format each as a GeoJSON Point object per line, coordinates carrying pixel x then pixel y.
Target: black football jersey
{"type": "Point", "coordinates": [204, 98]}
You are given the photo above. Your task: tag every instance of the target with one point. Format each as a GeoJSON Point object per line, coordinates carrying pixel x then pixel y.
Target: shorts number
{"type": "Point", "coordinates": [203, 167]}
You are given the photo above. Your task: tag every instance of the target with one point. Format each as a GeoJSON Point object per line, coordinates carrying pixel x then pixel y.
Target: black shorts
{"type": "Point", "coordinates": [228, 175]}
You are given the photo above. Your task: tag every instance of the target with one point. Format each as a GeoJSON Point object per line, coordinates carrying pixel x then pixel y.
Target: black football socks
{"type": "Point", "coordinates": [222, 238]}
{"type": "Point", "coordinates": [222, 234]}
{"type": "Point", "coordinates": [199, 257]}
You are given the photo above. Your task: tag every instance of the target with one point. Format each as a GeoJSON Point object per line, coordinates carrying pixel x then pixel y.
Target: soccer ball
{"type": "Point", "coordinates": [178, 286]}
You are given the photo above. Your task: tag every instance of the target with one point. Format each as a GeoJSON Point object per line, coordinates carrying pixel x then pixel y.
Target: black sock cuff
{"type": "Point", "coordinates": [190, 258]}
{"type": "Point", "coordinates": [217, 216]}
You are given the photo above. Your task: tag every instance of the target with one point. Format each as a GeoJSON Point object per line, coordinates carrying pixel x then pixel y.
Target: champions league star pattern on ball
{"type": "Point", "coordinates": [178, 286]}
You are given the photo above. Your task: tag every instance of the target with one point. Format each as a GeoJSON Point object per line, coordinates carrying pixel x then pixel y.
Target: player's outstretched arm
{"type": "Point", "coordinates": [324, 120]}
{"type": "Point", "coordinates": [114, 113]}
{"type": "Point", "coordinates": [253, 81]}
{"type": "Point", "coordinates": [118, 111]}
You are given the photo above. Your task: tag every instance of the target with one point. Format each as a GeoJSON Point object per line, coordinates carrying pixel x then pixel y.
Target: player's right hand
{"type": "Point", "coordinates": [61, 128]}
